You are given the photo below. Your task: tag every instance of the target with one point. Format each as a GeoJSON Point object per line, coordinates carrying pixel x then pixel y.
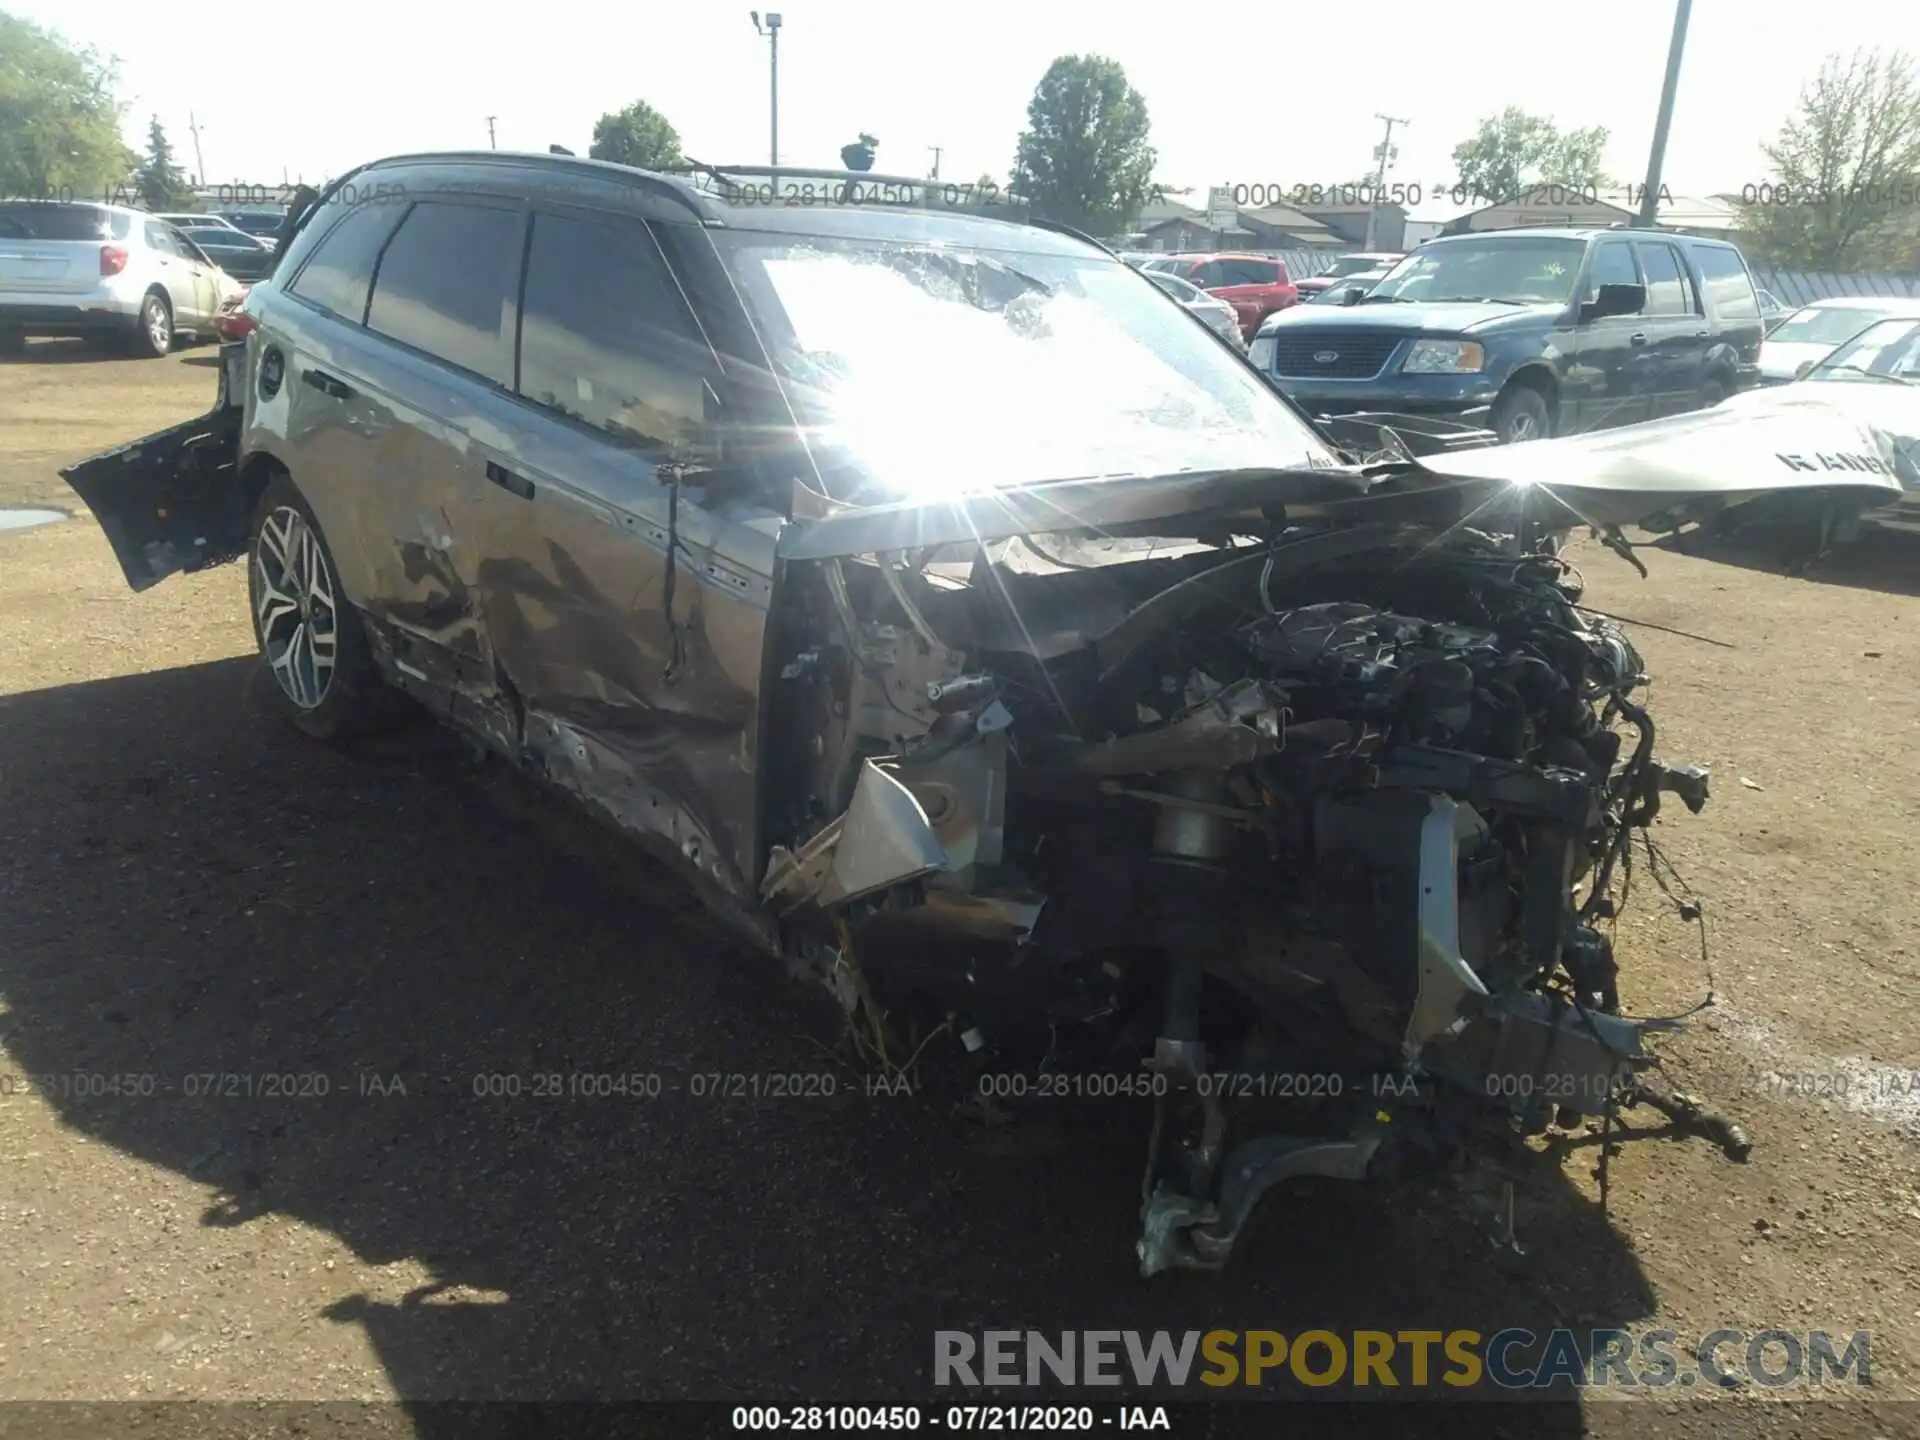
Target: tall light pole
{"type": "Point", "coordinates": [1384, 155]}
{"type": "Point", "coordinates": [936, 149]}
{"type": "Point", "coordinates": [772, 31]}
{"type": "Point", "coordinates": [199, 161]}
{"type": "Point", "coordinates": [1650, 198]}
{"type": "Point", "coordinates": [490, 140]}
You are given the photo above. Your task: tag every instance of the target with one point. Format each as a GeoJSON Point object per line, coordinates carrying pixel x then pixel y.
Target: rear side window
{"type": "Point", "coordinates": [1254, 272]}
{"type": "Point", "coordinates": [605, 334]}
{"type": "Point", "coordinates": [339, 272]}
{"type": "Point", "coordinates": [1725, 282]}
{"type": "Point", "coordinates": [444, 282]}
{"type": "Point", "coordinates": [1668, 292]}
{"type": "Point", "coordinates": [1210, 275]}
{"type": "Point", "coordinates": [54, 220]}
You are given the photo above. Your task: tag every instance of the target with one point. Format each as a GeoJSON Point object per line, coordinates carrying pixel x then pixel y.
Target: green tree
{"type": "Point", "coordinates": [1513, 152]}
{"type": "Point", "coordinates": [638, 135]}
{"type": "Point", "coordinates": [59, 116]}
{"type": "Point", "coordinates": [161, 184]}
{"type": "Point", "coordinates": [1845, 192]}
{"type": "Point", "coordinates": [1084, 159]}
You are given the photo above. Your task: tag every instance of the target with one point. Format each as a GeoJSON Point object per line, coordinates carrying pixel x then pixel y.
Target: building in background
{"type": "Point", "coordinates": [1571, 206]}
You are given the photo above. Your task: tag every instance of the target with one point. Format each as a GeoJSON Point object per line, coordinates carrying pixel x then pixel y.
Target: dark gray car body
{"type": "Point", "coordinates": [511, 564]}
{"type": "Point", "coordinates": [933, 720]}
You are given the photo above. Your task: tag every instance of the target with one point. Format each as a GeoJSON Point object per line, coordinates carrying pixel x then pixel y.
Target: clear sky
{"type": "Point", "coordinates": [1238, 92]}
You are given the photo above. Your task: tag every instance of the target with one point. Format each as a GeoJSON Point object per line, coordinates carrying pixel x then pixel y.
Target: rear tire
{"type": "Point", "coordinates": [152, 336]}
{"type": "Point", "coordinates": [312, 642]}
{"type": "Point", "coordinates": [1520, 414]}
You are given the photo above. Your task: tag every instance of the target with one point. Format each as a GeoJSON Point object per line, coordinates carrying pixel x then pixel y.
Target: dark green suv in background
{"type": "Point", "coordinates": [1532, 332]}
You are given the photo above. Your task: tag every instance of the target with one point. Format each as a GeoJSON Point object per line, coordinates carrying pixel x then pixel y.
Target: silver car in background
{"type": "Point", "coordinates": [1815, 331]}
{"type": "Point", "coordinates": [103, 270]}
{"type": "Point", "coordinates": [1217, 315]}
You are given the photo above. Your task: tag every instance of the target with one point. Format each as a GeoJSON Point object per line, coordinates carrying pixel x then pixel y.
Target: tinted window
{"type": "Point", "coordinates": [55, 220]}
{"type": "Point", "coordinates": [443, 282]}
{"type": "Point", "coordinates": [1612, 265]}
{"type": "Point", "coordinates": [340, 269]}
{"type": "Point", "coordinates": [1667, 290]}
{"type": "Point", "coordinates": [1724, 279]}
{"type": "Point", "coordinates": [1252, 272]}
{"type": "Point", "coordinates": [1213, 273]}
{"type": "Point", "coordinates": [605, 335]}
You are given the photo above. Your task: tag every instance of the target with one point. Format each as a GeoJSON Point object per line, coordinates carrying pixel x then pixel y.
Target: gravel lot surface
{"type": "Point", "coordinates": [190, 889]}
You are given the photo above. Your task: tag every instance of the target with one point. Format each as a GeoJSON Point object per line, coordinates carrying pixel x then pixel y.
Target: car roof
{"type": "Point", "coordinates": [876, 222]}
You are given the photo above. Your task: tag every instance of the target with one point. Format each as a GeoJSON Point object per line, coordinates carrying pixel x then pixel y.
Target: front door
{"type": "Point", "coordinates": [1607, 383]}
{"type": "Point", "coordinates": [628, 615]}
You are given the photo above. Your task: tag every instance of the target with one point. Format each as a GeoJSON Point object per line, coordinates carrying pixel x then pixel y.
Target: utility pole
{"type": "Point", "coordinates": [1385, 155]}
{"type": "Point", "coordinates": [936, 149]}
{"type": "Point", "coordinates": [1650, 198]}
{"type": "Point", "coordinates": [772, 31]}
{"type": "Point", "coordinates": [199, 164]}
{"type": "Point", "coordinates": [491, 144]}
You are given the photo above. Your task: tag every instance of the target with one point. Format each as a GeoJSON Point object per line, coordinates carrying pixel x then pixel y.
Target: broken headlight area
{"type": "Point", "coordinates": [1350, 804]}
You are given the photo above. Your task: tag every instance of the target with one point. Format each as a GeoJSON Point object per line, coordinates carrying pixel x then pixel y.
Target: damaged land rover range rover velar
{"type": "Point", "coordinates": [980, 634]}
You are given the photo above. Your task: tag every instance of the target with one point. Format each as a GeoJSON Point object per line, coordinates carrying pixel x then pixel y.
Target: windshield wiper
{"type": "Point", "coordinates": [1371, 296]}
{"type": "Point", "coordinates": [1476, 300]}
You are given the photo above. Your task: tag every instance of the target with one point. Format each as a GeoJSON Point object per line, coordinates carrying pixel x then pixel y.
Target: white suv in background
{"type": "Point", "coordinates": [79, 269]}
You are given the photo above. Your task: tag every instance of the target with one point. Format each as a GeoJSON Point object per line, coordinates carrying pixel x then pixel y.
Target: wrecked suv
{"type": "Point", "coordinates": [976, 633]}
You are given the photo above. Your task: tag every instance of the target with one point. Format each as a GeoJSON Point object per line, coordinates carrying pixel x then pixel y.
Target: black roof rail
{"type": "Point", "coordinates": [667, 185]}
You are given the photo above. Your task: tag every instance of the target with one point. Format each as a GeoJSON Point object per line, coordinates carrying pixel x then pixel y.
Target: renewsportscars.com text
{"type": "Point", "coordinates": [1513, 1359]}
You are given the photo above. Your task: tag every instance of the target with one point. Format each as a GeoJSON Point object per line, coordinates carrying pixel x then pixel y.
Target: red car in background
{"type": "Point", "coordinates": [1255, 285]}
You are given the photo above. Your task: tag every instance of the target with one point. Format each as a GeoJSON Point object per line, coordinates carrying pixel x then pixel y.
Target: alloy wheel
{"type": "Point", "coordinates": [294, 610]}
{"type": "Point", "coordinates": [1521, 427]}
{"type": "Point", "coordinates": [159, 327]}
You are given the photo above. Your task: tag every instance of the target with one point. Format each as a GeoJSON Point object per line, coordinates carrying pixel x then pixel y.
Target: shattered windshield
{"type": "Point", "coordinates": [1520, 270]}
{"type": "Point", "coordinates": [926, 370]}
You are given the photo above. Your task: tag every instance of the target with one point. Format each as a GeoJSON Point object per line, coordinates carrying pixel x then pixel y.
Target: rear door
{"type": "Point", "coordinates": [1732, 310]}
{"type": "Point", "coordinates": [1675, 328]}
{"type": "Point", "coordinates": [1607, 381]}
{"type": "Point", "coordinates": [407, 411]}
{"type": "Point", "coordinates": [49, 249]}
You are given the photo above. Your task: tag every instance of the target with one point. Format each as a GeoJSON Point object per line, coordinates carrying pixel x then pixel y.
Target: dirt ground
{"type": "Point", "coordinates": [188, 889]}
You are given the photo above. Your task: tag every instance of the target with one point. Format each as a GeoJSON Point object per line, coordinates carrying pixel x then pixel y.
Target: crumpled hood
{"type": "Point", "coordinates": [1855, 440]}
